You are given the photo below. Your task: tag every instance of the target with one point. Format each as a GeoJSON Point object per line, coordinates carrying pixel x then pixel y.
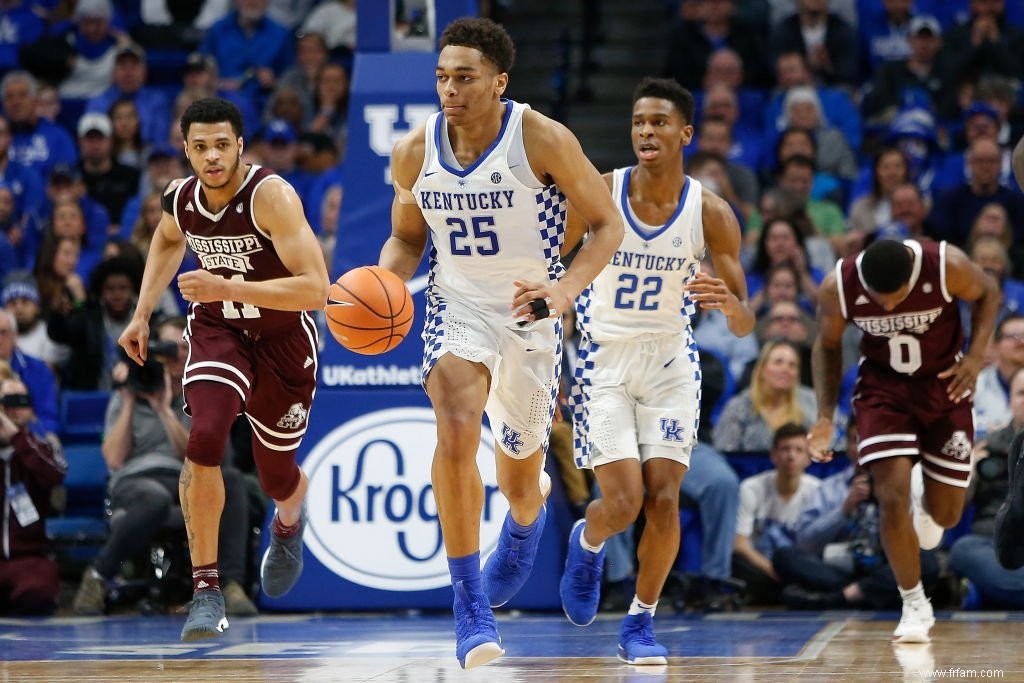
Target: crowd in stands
{"type": "Point", "coordinates": [825, 124]}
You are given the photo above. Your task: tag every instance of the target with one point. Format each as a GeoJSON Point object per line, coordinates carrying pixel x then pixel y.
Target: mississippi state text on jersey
{"type": "Point", "coordinates": [923, 335]}
{"type": "Point", "coordinates": [232, 245]}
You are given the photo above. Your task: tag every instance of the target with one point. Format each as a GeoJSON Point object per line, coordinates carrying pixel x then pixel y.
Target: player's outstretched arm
{"type": "Point", "coordinates": [965, 280]}
{"type": "Point", "coordinates": [277, 210]}
{"type": "Point", "coordinates": [403, 250]}
{"type": "Point", "coordinates": [555, 154]}
{"type": "Point", "coordinates": [728, 290]}
{"type": "Point", "coordinates": [166, 250]}
{"type": "Point", "coordinates": [826, 367]}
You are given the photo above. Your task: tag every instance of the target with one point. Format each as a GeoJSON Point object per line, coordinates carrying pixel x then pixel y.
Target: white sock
{"type": "Point", "coordinates": [586, 546]}
{"type": "Point", "coordinates": [913, 594]}
{"type": "Point", "coordinates": [637, 607]}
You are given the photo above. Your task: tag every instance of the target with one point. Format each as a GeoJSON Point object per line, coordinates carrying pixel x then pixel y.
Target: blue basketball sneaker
{"type": "Point", "coordinates": [509, 566]}
{"type": "Point", "coordinates": [476, 632]}
{"type": "Point", "coordinates": [580, 587]}
{"type": "Point", "coordinates": [636, 641]}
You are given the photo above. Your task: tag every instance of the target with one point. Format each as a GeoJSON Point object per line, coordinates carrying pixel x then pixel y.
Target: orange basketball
{"type": "Point", "coordinates": [369, 310]}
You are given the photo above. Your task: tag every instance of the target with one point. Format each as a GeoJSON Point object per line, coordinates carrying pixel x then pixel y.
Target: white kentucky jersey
{"type": "Point", "coordinates": [492, 223]}
{"type": "Point", "coordinates": [640, 292]}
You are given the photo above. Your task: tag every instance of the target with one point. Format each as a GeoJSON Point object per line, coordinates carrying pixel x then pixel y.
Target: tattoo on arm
{"type": "Point", "coordinates": [826, 370]}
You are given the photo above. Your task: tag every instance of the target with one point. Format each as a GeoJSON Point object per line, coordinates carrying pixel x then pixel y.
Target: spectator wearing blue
{"type": "Point", "coordinates": [981, 120]}
{"type": "Point", "coordinates": [973, 556]}
{"type": "Point", "coordinates": [992, 394]}
{"type": "Point", "coordinates": [36, 375]}
{"type": "Point", "coordinates": [828, 42]}
{"type": "Point", "coordinates": [883, 29]}
{"type": "Point", "coordinates": [721, 102]}
{"type": "Point", "coordinates": [791, 71]}
{"type": "Point", "coordinates": [923, 77]}
{"type": "Point", "coordinates": [36, 143]}
{"type": "Point", "coordinates": [279, 151]}
{"type": "Point", "coordinates": [955, 209]}
{"type": "Point", "coordinates": [913, 132]}
{"type": "Point", "coordinates": [252, 50]}
{"type": "Point", "coordinates": [66, 186]}
{"type": "Point", "coordinates": [22, 26]}
{"type": "Point", "coordinates": [130, 84]}
{"type": "Point", "coordinates": [164, 163]}
{"type": "Point", "coordinates": [77, 57]}
{"type": "Point", "coordinates": [21, 298]}
{"type": "Point", "coordinates": [27, 187]}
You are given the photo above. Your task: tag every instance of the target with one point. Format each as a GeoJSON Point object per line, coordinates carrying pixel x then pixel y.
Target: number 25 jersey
{"type": "Point", "coordinates": [491, 223]}
{"type": "Point", "coordinates": [923, 335]}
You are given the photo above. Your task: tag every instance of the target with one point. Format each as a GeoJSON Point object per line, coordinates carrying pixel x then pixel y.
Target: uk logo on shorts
{"type": "Point", "coordinates": [958, 446]}
{"type": "Point", "coordinates": [294, 418]}
{"type": "Point", "coordinates": [371, 510]}
{"type": "Point", "coordinates": [511, 440]}
{"type": "Point", "coordinates": [671, 430]}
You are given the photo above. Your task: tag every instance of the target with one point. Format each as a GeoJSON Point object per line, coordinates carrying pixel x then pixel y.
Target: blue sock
{"type": "Point", "coordinates": [467, 570]}
{"type": "Point", "coordinates": [518, 530]}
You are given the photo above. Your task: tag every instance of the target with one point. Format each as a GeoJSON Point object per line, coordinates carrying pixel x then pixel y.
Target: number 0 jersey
{"type": "Point", "coordinates": [490, 224]}
{"type": "Point", "coordinates": [231, 244]}
{"type": "Point", "coordinates": [923, 335]}
{"type": "Point", "coordinates": [641, 290]}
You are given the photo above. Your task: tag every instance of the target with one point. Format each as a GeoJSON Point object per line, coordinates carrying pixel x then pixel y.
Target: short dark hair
{"type": "Point", "coordinates": [799, 160]}
{"type": "Point", "coordinates": [493, 41]}
{"type": "Point", "coordinates": [1012, 318]}
{"type": "Point", "coordinates": [787, 431]}
{"type": "Point", "coordinates": [107, 268]}
{"type": "Point", "coordinates": [886, 266]}
{"type": "Point", "coordinates": [668, 89]}
{"type": "Point", "coordinates": [212, 110]}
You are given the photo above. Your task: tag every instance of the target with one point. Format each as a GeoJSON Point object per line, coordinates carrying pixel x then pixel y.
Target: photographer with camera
{"type": "Point", "coordinates": [32, 467]}
{"type": "Point", "coordinates": [973, 556]}
{"type": "Point", "coordinates": [144, 447]}
{"type": "Point", "coordinates": [837, 560]}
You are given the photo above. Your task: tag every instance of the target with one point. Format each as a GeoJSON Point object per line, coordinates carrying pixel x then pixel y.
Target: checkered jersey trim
{"type": "Point", "coordinates": [433, 329]}
{"type": "Point", "coordinates": [551, 205]}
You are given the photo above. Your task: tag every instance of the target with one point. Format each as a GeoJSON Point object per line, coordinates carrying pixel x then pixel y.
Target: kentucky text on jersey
{"type": "Point", "coordinates": [917, 322]}
{"type": "Point", "coordinates": [632, 259]}
{"type": "Point", "coordinates": [224, 252]}
{"type": "Point", "coordinates": [466, 201]}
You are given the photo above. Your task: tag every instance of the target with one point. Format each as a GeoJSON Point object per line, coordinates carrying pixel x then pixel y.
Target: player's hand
{"type": "Point", "coordinates": [964, 373]}
{"type": "Point", "coordinates": [135, 339]}
{"type": "Point", "coordinates": [709, 292]}
{"type": "Point", "coordinates": [819, 440]}
{"type": "Point", "coordinates": [201, 287]}
{"type": "Point", "coordinates": [555, 301]}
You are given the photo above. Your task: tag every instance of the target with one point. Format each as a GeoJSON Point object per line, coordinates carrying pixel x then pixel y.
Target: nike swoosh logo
{"type": "Point", "coordinates": [333, 302]}
{"type": "Point", "coordinates": [427, 175]}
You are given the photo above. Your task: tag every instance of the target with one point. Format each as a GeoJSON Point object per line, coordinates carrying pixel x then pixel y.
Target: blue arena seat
{"type": "Point", "coordinates": [82, 416]}
{"type": "Point", "coordinates": [86, 480]}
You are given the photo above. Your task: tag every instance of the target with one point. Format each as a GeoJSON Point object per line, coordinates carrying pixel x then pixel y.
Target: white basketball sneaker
{"type": "Point", "coordinates": [929, 532]}
{"type": "Point", "coordinates": [916, 622]}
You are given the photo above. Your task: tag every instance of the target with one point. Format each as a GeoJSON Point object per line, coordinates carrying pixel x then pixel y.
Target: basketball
{"type": "Point", "coordinates": [369, 310]}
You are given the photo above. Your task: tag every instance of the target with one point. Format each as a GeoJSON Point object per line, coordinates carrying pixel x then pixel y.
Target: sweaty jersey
{"type": "Point", "coordinates": [640, 292]}
{"type": "Point", "coordinates": [490, 224]}
{"type": "Point", "coordinates": [923, 334]}
{"type": "Point", "coordinates": [231, 244]}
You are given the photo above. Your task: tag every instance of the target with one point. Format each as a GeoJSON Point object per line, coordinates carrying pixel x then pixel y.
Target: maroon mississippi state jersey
{"type": "Point", "coordinates": [232, 245]}
{"type": "Point", "coordinates": [923, 335]}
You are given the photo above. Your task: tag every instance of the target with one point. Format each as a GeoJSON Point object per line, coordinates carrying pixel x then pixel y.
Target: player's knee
{"type": "Point", "coordinates": [622, 508]}
{"type": "Point", "coordinates": [662, 504]}
{"type": "Point", "coordinates": [206, 443]}
{"type": "Point", "coordinates": [279, 475]}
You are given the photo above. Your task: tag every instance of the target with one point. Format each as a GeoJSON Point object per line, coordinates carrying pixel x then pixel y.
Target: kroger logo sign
{"type": "Point", "coordinates": [372, 516]}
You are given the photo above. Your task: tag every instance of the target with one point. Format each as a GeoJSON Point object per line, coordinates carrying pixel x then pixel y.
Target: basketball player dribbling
{"type": "Point", "coordinates": [252, 346]}
{"type": "Point", "coordinates": [912, 402]}
{"type": "Point", "coordinates": [636, 390]}
{"type": "Point", "coordinates": [487, 179]}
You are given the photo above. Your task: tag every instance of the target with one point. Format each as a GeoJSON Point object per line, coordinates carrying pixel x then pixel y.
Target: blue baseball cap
{"type": "Point", "coordinates": [279, 130]}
